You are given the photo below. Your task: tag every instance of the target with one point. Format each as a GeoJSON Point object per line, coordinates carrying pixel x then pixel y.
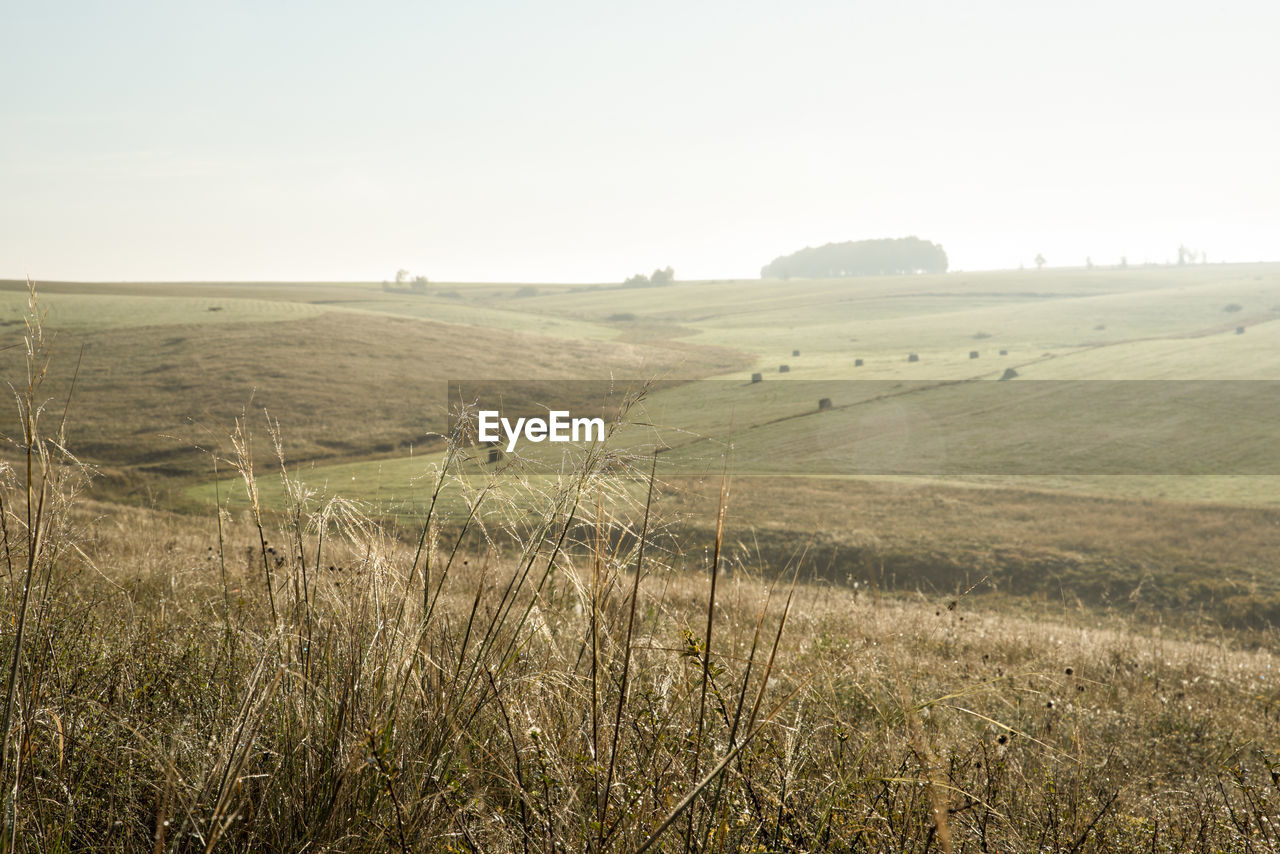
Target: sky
{"type": "Point", "coordinates": [584, 142]}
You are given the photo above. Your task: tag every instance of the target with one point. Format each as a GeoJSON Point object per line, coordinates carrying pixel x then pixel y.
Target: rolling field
{"type": "Point", "coordinates": [914, 436]}
{"type": "Point", "coordinates": [166, 378]}
{"type": "Point", "coordinates": [1169, 323]}
{"type": "Point", "coordinates": [946, 613]}
{"type": "Point", "coordinates": [355, 376]}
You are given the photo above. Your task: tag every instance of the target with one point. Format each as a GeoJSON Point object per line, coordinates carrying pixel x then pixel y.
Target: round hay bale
{"type": "Point", "coordinates": [795, 352]}
{"type": "Point", "coordinates": [757, 378]}
{"type": "Point", "coordinates": [824, 403]}
{"type": "Point", "coordinates": [1009, 373]}
{"type": "Point", "coordinates": [857, 363]}
{"type": "Point", "coordinates": [784, 369]}
{"type": "Point", "coordinates": [973, 354]}
{"type": "Point", "coordinates": [495, 454]}
{"type": "Point", "coordinates": [1239, 330]}
{"type": "Point", "coordinates": [914, 357]}
{"type": "Point", "coordinates": [1004, 352]}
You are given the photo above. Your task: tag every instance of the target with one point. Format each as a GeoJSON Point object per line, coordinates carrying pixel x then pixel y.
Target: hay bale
{"type": "Point", "coordinates": [973, 354]}
{"type": "Point", "coordinates": [1004, 352]}
{"type": "Point", "coordinates": [784, 369]}
{"type": "Point", "coordinates": [857, 363]}
{"type": "Point", "coordinates": [824, 403]}
{"type": "Point", "coordinates": [1009, 373]}
{"type": "Point", "coordinates": [913, 357]}
{"type": "Point", "coordinates": [795, 352]}
{"type": "Point", "coordinates": [757, 378]}
{"type": "Point", "coordinates": [495, 454]}
{"type": "Point", "coordinates": [1239, 330]}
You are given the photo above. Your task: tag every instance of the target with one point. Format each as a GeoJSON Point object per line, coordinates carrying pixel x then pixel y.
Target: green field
{"type": "Point", "coordinates": [355, 375]}
{"type": "Point", "coordinates": [1144, 324]}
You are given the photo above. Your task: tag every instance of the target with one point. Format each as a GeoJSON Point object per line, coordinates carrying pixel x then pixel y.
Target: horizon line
{"type": "Point", "coordinates": [22, 280]}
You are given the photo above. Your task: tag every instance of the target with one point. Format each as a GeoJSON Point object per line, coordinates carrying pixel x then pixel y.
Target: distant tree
{"type": "Point", "coordinates": [1185, 255]}
{"type": "Point", "coordinates": [658, 277]}
{"type": "Point", "coordinates": [402, 276]}
{"type": "Point", "coordinates": [885, 257]}
{"type": "Point", "coordinates": [419, 284]}
{"type": "Point", "coordinates": [1040, 262]}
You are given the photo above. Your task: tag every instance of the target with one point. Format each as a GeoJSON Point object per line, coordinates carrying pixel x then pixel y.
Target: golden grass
{"type": "Point", "coordinates": [175, 704]}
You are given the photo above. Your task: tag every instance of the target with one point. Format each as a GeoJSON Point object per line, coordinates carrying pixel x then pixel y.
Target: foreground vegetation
{"type": "Point", "coordinates": [201, 685]}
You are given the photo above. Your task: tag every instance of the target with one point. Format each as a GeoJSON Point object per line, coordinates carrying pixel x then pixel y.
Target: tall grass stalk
{"type": "Point", "coordinates": [51, 477]}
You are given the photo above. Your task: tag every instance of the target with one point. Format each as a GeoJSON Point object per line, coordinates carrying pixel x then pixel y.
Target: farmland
{"type": "Point", "coordinates": [282, 600]}
{"type": "Point", "coordinates": [355, 377]}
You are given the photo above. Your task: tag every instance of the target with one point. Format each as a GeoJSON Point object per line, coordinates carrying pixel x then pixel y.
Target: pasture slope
{"type": "Point", "coordinates": [354, 375]}
{"type": "Point", "coordinates": [792, 461]}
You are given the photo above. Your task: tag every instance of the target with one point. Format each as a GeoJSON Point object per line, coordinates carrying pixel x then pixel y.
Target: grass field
{"type": "Point", "coordinates": [879, 633]}
{"type": "Point", "coordinates": [354, 374]}
{"type": "Point", "coordinates": [165, 381]}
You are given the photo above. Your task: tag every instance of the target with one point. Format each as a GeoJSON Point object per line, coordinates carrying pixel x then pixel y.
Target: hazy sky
{"type": "Point", "coordinates": [557, 141]}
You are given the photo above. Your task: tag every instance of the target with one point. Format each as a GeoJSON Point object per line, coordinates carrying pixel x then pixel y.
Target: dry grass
{"type": "Point", "coordinates": [148, 698]}
{"type": "Point", "coordinates": [1200, 566]}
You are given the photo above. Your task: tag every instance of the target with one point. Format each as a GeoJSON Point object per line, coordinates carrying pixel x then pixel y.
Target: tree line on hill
{"type": "Point", "coordinates": [884, 257]}
{"type": "Point", "coordinates": [417, 285]}
{"type": "Point", "coordinates": [655, 279]}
